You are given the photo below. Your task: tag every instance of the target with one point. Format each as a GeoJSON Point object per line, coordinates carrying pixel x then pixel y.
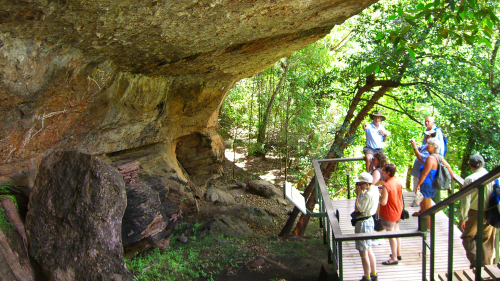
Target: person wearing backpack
{"type": "Point", "coordinates": [468, 216]}
{"type": "Point", "coordinates": [428, 175]}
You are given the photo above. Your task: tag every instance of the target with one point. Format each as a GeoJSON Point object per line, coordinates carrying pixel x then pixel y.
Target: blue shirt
{"type": "Point", "coordinates": [439, 137]}
{"type": "Point", "coordinates": [374, 139]}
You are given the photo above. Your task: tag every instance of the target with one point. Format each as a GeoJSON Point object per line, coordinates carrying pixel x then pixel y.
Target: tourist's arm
{"type": "Point", "coordinates": [449, 169]}
{"type": "Point", "coordinates": [416, 149]}
{"type": "Point", "coordinates": [384, 196]}
{"type": "Point", "coordinates": [376, 176]}
{"type": "Point", "coordinates": [464, 207]}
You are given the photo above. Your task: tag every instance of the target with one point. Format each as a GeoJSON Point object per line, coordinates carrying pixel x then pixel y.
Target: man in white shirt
{"type": "Point", "coordinates": [376, 135]}
{"type": "Point", "coordinates": [468, 216]}
{"type": "Point", "coordinates": [367, 198]}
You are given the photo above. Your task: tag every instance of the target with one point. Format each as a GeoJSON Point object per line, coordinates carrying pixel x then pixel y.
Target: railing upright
{"type": "Point", "coordinates": [479, 237]}
{"type": "Point", "coordinates": [451, 226]}
{"type": "Point", "coordinates": [348, 185]}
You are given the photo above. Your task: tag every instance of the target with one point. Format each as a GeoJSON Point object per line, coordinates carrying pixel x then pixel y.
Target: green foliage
{"type": "Point", "coordinates": [6, 226]}
{"type": "Point", "coordinates": [443, 54]}
{"type": "Point", "coordinates": [200, 258]}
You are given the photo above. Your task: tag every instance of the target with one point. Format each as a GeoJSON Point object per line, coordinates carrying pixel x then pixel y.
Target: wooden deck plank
{"type": "Point", "coordinates": [410, 267]}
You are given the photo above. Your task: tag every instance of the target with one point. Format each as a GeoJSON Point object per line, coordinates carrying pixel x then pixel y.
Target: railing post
{"type": "Point", "coordinates": [451, 225]}
{"type": "Point", "coordinates": [433, 246]}
{"type": "Point", "coordinates": [348, 186]}
{"type": "Point", "coordinates": [479, 233]}
{"type": "Point", "coordinates": [496, 245]}
{"type": "Point", "coordinates": [424, 258]}
{"type": "Point", "coordinates": [341, 270]}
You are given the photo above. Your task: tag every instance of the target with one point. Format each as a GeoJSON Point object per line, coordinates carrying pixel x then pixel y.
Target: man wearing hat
{"type": "Point", "coordinates": [468, 216]}
{"type": "Point", "coordinates": [376, 135]}
{"type": "Point", "coordinates": [367, 198]}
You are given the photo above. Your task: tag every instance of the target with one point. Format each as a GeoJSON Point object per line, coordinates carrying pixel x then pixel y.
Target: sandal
{"type": "Point", "coordinates": [388, 262]}
{"type": "Point", "coordinates": [416, 214]}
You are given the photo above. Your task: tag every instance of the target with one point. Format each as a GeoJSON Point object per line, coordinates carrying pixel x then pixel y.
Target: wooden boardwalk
{"type": "Point", "coordinates": [410, 267]}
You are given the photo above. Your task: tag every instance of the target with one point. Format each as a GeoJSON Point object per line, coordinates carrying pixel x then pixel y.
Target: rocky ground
{"type": "Point", "coordinates": [291, 258]}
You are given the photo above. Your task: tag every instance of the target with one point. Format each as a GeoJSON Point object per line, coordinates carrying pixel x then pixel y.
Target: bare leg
{"type": "Point", "coordinates": [368, 159]}
{"type": "Point", "coordinates": [398, 240]}
{"type": "Point", "coordinates": [426, 204]}
{"type": "Point", "coordinates": [373, 261]}
{"type": "Point", "coordinates": [365, 261]}
{"type": "Point", "coordinates": [393, 244]}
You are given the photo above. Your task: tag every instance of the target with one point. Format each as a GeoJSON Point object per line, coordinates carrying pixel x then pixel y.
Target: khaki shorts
{"type": "Point", "coordinates": [387, 223]}
{"type": "Point", "coordinates": [365, 226]}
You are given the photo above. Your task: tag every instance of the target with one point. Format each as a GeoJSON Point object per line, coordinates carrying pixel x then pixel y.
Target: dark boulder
{"type": "Point", "coordinates": [264, 188]}
{"type": "Point", "coordinates": [149, 217]}
{"type": "Point", "coordinates": [74, 220]}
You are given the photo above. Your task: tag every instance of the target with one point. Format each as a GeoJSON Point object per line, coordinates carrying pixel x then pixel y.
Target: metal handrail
{"type": "Point", "coordinates": [466, 190]}
{"type": "Point", "coordinates": [326, 206]}
{"type": "Point", "coordinates": [449, 202]}
{"type": "Point", "coordinates": [335, 246]}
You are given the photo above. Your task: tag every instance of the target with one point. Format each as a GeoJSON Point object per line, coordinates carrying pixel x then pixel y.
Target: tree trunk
{"type": "Point", "coordinates": [261, 137]}
{"type": "Point", "coordinates": [464, 167]}
{"type": "Point", "coordinates": [343, 138]}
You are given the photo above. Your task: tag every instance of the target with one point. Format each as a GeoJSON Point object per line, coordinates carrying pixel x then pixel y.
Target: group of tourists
{"type": "Point", "coordinates": [378, 190]}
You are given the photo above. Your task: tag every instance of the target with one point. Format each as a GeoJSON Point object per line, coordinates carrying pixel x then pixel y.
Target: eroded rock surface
{"type": "Point", "coordinates": [106, 76]}
{"type": "Point", "coordinates": [264, 188]}
{"type": "Point", "coordinates": [74, 220]}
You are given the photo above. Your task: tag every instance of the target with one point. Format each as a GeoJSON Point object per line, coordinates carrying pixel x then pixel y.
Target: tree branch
{"type": "Point", "coordinates": [396, 110]}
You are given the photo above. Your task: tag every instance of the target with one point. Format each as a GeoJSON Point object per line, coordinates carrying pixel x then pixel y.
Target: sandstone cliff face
{"type": "Point", "coordinates": [129, 78]}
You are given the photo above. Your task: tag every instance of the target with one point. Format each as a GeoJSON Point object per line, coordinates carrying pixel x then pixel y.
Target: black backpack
{"type": "Point", "coordinates": [492, 214]}
{"type": "Point", "coordinates": [443, 177]}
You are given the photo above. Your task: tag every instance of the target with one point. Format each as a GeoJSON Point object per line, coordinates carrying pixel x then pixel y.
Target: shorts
{"type": "Point", "coordinates": [427, 190]}
{"type": "Point", "coordinates": [387, 223]}
{"type": "Point", "coordinates": [365, 226]}
{"type": "Point", "coordinates": [369, 150]}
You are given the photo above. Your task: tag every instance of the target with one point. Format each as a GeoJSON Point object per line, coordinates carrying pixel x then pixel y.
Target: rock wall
{"type": "Point", "coordinates": [138, 77]}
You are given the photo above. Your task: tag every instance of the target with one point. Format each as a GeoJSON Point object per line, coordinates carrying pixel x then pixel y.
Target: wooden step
{"type": "Point", "coordinates": [461, 276]}
{"type": "Point", "coordinates": [484, 275]}
{"type": "Point", "coordinates": [493, 271]}
{"type": "Point", "coordinates": [446, 277]}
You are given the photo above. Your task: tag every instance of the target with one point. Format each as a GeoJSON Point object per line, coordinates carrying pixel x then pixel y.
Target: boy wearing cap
{"type": "Point", "coordinates": [367, 199]}
{"type": "Point", "coordinates": [376, 135]}
{"type": "Point", "coordinates": [468, 215]}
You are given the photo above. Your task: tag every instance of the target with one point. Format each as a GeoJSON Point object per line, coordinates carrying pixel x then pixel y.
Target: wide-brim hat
{"type": "Point", "coordinates": [431, 133]}
{"type": "Point", "coordinates": [377, 113]}
{"type": "Point", "coordinates": [364, 177]}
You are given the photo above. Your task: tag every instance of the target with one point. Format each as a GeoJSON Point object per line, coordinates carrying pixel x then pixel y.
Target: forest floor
{"type": "Point", "coordinates": [283, 259]}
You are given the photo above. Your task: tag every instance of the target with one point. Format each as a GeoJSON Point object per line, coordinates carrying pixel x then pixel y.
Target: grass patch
{"type": "Point", "coordinates": [199, 258]}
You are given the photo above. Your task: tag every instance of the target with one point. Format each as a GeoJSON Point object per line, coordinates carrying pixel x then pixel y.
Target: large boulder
{"type": "Point", "coordinates": [150, 215]}
{"type": "Point", "coordinates": [75, 216]}
{"type": "Point", "coordinates": [217, 195]}
{"type": "Point", "coordinates": [264, 188]}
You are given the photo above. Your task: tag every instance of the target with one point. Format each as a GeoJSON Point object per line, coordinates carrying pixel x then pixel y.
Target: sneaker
{"type": "Point", "coordinates": [374, 277]}
{"type": "Point", "coordinates": [365, 279]}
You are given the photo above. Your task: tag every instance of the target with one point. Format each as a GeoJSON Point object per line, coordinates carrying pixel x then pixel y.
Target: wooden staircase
{"type": "Point", "coordinates": [489, 272]}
